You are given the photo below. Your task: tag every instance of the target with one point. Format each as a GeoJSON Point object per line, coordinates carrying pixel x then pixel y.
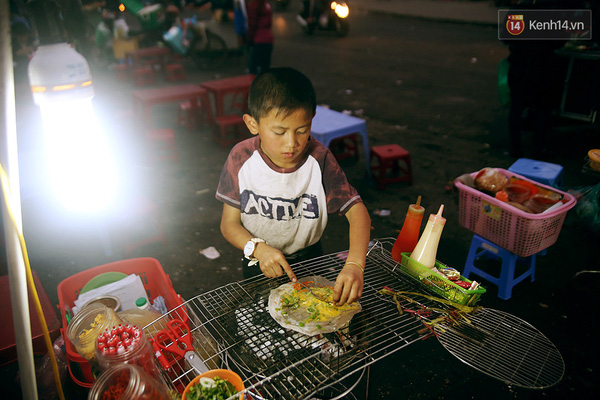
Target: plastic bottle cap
{"type": "Point", "coordinates": [437, 218]}
{"type": "Point", "coordinates": [141, 302]}
{"type": "Point", "coordinates": [416, 209]}
{"type": "Point", "coordinates": [503, 196]}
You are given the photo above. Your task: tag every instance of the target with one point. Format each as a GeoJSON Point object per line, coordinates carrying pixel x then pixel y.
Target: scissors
{"type": "Point", "coordinates": [176, 338]}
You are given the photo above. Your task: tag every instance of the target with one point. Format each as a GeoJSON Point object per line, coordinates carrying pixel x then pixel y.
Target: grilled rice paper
{"type": "Point", "coordinates": [294, 307]}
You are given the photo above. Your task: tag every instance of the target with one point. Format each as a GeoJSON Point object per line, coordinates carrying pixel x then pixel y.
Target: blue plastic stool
{"type": "Point", "coordinates": [507, 280]}
{"type": "Point", "coordinates": [539, 171]}
{"type": "Point", "coordinates": [328, 125]}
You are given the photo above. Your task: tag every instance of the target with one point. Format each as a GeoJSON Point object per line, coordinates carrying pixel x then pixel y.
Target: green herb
{"type": "Point", "coordinates": [221, 389]}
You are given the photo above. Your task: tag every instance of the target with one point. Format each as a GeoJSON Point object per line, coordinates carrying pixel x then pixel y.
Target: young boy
{"type": "Point", "coordinates": [278, 187]}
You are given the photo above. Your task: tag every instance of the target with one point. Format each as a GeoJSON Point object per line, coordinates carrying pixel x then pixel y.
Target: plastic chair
{"type": "Point", "coordinates": [389, 157]}
{"type": "Point", "coordinates": [539, 171]}
{"type": "Point", "coordinates": [481, 247]}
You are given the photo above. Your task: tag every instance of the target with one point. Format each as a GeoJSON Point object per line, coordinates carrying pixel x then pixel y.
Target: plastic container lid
{"type": "Point", "coordinates": [141, 302]}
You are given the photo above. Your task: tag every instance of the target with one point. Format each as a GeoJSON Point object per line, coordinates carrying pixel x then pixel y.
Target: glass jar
{"type": "Point", "coordinates": [125, 344]}
{"type": "Point", "coordinates": [87, 324]}
{"type": "Point", "coordinates": [130, 382]}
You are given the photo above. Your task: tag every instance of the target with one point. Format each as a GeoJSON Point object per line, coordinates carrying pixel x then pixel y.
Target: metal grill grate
{"type": "Point", "coordinates": [232, 327]}
{"type": "Point", "coordinates": [506, 348]}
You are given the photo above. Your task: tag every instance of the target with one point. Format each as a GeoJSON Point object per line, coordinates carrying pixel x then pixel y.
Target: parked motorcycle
{"type": "Point", "coordinates": [324, 15]}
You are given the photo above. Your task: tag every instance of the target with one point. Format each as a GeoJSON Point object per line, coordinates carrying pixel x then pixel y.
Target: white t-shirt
{"type": "Point", "coordinates": [286, 207]}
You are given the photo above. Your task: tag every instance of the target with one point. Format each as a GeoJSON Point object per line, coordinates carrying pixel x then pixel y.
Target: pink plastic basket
{"type": "Point", "coordinates": [517, 231]}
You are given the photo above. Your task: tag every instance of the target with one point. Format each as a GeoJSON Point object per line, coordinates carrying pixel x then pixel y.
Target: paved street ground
{"type": "Point", "coordinates": [560, 303]}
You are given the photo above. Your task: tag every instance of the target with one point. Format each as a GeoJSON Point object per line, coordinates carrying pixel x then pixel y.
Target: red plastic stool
{"type": "Point", "coordinates": [162, 143]}
{"type": "Point", "coordinates": [121, 72]}
{"type": "Point", "coordinates": [175, 72]}
{"type": "Point", "coordinates": [146, 226]}
{"type": "Point", "coordinates": [144, 76]}
{"type": "Point", "coordinates": [231, 124]}
{"type": "Point", "coordinates": [389, 157]}
{"type": "Point", "coordinates": [345, 147]}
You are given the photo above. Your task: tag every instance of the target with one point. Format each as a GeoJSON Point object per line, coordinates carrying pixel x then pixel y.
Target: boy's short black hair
{"type": "Point", "coordinates": [283, 89]}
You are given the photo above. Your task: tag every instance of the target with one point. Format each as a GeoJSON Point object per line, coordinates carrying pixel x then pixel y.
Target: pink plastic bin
{"type": "Point", "coordinates": [519, 232]}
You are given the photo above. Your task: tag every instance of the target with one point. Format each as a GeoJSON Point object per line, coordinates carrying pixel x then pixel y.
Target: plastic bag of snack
{"type": "Point", "coordinates": [490, 180]}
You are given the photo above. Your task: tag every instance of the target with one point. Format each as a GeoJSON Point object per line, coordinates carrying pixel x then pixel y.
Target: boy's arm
{"type": "Point", "coordinates": [349, 283]}
{"type": "Point", "coordinates": [272, 262]}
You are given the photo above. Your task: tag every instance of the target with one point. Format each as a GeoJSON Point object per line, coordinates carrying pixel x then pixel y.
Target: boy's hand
{"type": "Point", "coordinates": [272, 262]}
{"type": "Point", "coordinates": [348, 285]}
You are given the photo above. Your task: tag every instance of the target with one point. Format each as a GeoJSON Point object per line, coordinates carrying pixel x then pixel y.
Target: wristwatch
{"type": "Point", "coordinates": [249, 250]}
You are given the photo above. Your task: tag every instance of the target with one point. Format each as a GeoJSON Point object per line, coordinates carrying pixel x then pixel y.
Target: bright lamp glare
{"type": "Point", "coordinates": [341, 9]}
{"type": "Point", "coordinates": [81, 171]}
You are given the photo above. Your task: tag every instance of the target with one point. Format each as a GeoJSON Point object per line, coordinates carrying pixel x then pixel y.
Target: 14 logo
{"type": "Point", "coordinates": [515, 24]}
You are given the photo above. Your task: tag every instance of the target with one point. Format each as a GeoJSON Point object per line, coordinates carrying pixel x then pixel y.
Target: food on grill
{"type": "Point", "coordinates": [294, 307]}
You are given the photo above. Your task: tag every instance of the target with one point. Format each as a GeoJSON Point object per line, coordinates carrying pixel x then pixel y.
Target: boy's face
{"type": "Point", "coordinates": [284, 139]}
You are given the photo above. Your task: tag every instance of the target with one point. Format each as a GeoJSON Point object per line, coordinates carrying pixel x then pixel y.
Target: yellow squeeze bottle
{"type": "Point", "coordinates": [426, 249]}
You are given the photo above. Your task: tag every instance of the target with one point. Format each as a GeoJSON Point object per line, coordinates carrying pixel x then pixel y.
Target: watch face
{"type": "Point", "coordinates": [249, 249]}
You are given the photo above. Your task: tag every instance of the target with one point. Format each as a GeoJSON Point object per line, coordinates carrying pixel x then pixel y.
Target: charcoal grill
{"type": "Point", "coordinates": [232, 328]}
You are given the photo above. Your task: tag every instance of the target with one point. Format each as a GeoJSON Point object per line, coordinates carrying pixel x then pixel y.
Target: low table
{"type": "Point", "coordinates": [220, 88]}
{"type": "Point", "coordinates": [147, 98]}
{"type": "Point", "coordinates": [157, 55]}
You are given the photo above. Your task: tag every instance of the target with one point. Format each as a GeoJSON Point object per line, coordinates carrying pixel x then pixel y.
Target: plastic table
{"type": "Point", "coordinates": [157, 55]}
{"type": "Point", "coordinates": [329, 124]}
{"type": "Point", "coordinates": [147, 98]}
{"type": "Point", "coordinates": [220, 88]}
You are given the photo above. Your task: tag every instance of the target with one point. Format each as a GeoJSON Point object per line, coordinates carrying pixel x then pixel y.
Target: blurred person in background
{"type": "Point", "coordinates": [259, 36]}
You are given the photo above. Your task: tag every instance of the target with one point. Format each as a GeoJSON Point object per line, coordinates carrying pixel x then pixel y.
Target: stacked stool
{"type": "Point", "coordinates": [482, 250]}
{"type": "Point", "coordinates": [390, 157]}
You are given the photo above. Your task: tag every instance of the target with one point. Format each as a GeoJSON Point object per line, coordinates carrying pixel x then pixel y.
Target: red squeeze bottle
{"type": "Point", "coordinates": [409, 234]}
